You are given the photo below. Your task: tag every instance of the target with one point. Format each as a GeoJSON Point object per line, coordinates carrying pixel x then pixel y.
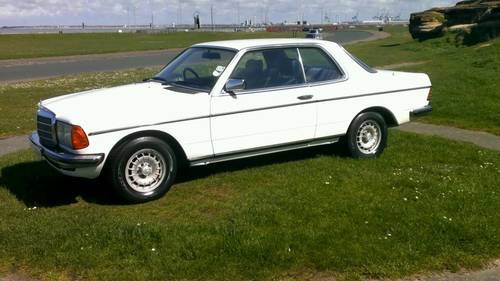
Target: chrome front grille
{"type": "Point", "coordinates": [46, 127]}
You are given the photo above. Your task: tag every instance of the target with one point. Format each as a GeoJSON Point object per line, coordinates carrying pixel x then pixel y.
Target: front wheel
{"type": "Point", "coordinates": [367, 136]}
{"type": "Point", "coordinates": [143, 169]}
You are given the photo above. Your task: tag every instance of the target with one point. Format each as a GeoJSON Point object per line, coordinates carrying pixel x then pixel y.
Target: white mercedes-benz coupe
{"type": "Point", "coordinates": [226, 100]}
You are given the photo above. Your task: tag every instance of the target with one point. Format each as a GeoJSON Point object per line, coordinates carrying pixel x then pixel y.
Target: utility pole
{"type": "Point", "coordinates": [179, 12]}
{"type": "Point", "coordinates": [212, 16]}
{"type": "Point", "coordinates": [133, 12]}
{"type": "Point", "coordinates": [128, 16]}
{"type": "Point", "coordinates": [238, 12]}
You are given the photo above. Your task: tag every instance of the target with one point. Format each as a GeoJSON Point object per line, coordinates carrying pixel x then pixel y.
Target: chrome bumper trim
{"type": "Point", "coordinates": [64, 160]}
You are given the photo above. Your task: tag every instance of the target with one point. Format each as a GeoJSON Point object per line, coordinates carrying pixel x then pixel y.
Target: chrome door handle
{"type": "Point", "coordinates": [306, 97]}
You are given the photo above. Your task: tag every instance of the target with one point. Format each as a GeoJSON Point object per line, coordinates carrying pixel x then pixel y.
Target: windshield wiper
{"type": "Point", "coordinates": [155, 78]}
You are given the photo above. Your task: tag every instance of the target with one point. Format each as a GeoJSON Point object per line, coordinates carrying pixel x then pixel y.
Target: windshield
{"type": "Point", "coordinates": [197, 68]}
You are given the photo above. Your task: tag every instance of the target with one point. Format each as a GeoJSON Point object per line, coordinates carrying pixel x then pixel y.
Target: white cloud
{"type": "Point", "coordinates": [38, 12]}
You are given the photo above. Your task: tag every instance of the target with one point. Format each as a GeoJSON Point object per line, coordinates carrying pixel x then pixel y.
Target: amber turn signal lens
{"type": "Point", "coordinates": [429, 95]}
{"type": "Point", "coordinates": [79, 139]}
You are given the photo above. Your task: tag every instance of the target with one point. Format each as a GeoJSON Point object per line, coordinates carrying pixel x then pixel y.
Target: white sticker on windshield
{"type": "Point", "coordinates": [218, 71]}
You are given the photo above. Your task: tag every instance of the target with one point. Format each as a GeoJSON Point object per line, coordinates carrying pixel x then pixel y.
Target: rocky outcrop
{"type": "Point", "coordinates": [469, 17]}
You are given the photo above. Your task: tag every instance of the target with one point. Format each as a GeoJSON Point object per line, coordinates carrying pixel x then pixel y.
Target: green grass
{"type": "Point", "coordinates": [49, 45]}
{"type": "Point", "coordinates": [466, 80]}
{"type": "Point", "coordinates": [427, 204]}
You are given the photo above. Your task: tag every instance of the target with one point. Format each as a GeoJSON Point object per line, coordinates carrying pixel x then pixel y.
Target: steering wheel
{"type": "Point", "coordinates": [189, 69]}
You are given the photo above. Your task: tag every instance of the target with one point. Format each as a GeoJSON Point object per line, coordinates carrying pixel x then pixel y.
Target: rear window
{"type": "Point", "coordinates": [361, 63]}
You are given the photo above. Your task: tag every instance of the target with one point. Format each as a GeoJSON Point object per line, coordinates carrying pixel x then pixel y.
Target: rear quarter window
{"type": "Point", "coordinates": [361, 63]}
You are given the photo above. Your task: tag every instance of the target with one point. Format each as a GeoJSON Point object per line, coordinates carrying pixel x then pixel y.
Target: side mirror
{"type": "Point", "coordinates": [234, 85]}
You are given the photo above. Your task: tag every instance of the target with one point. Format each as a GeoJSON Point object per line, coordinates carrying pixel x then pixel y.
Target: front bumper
{"type": "Point", "coordinates": [421, 111]}
{"type": "Point", "coordinates": [64, 160]}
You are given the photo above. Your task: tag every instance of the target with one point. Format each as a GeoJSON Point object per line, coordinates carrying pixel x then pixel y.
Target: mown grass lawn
{"type": "Point", "coordinates": [426, 204]}
{"type": "Point", "coordinates": [49, 45]}
{"type": "Point", "coordinates": [466, 80]}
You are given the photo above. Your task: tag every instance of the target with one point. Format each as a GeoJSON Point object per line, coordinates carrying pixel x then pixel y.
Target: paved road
{"type": "Point", "coordinates": [26, 69]}
{"type": "Point", "coordinates": [32, 69]}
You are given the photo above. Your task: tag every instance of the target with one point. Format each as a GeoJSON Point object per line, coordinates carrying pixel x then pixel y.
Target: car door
{"type": "Point", "coordinates": [328, 82]}
{"type": "Point", "coordinates": [274, 109]}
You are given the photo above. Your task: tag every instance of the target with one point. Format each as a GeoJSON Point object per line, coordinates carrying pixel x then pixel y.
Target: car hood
{"type": "Point", "coordinates": [127, 106]}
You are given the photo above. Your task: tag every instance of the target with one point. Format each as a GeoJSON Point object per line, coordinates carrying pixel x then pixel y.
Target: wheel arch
{"type": "Point", "coordinates": [167, 138]}
{"type": "Point", "coordinates": [388, 116]}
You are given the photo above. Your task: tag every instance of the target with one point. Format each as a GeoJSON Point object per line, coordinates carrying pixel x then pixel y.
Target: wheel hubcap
{"type": "Point", "coordinates": [368, 137]}
{"type": "Point", "coordinates": [145, 170]}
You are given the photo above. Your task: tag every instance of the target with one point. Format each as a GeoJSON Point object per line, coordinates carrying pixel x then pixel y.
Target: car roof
{"type": "Point", "coordinates": [257, 43]}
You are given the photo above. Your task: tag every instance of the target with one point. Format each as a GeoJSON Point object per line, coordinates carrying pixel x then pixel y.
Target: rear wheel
{"type": "Point", "coordinates": [367, 136]}
{"type": "Point", "coordinates": [143, 169]}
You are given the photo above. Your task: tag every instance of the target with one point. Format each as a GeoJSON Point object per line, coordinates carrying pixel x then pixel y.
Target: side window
{"type": "Point", "coordinates": [318, 66]}
{"type": "Point", "coordinates": [269, 68]}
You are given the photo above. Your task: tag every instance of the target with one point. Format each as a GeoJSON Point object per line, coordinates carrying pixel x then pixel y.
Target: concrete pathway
{"type": "Point", "coordinates": [400, 65]}
{"type": "Point", "coordinates": [478, 138]}
{"type": "Point", "coordinates": [482, 139]}
{"type": "Point", "coordinates": [491, 273]}
{"type": "Point", "coordinates": [13, 144]}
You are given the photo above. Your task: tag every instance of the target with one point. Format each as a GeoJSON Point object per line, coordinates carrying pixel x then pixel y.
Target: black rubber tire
{"type": "Point", "coordinates": [118, 161]}
{"type": "Point", "coordinates": [350, 138]}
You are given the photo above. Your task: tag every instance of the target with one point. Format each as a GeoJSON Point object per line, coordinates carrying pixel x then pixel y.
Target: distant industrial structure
{"type": "Point", "coordinates": [328, 22]}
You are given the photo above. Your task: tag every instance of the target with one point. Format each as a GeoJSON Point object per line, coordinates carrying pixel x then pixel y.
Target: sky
{"type": "Point", "coordinates": [161, 12]}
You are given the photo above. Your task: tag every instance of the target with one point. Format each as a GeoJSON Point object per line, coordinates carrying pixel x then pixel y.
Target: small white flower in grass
{"type": "Point", "coordinates": [289, 250]}
{"type": "Point", "coordinates": [153, 249]}
{"type": "Point", "coordinates": [327, 182]}
{"type": "Point", "coordinates": [138, 224]}
{"type": "Point", "coordinates": [416, 197]}
{"type": "Point", "coordinates": [389, 235]}
{"type": "Point", "coordinates": [366, 222]}
{"type": "Point", "coordinates": [81, 248]}
{"type": "Point", "coordinates": [405, 199]}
